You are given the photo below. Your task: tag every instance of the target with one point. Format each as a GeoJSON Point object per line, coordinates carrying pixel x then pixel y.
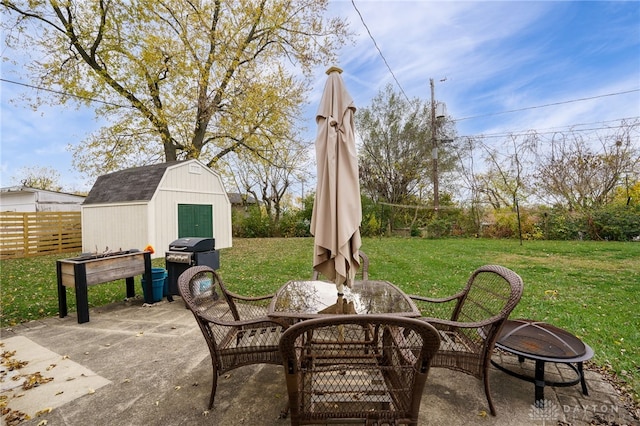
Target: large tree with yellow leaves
{"type": "Point", "coordinates": [177, 78]}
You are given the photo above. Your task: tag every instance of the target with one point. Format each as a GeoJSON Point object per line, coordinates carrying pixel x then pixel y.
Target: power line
{"type": "Point", "coordinates": [547, 105]}
{"type": "Point", "coordinates": [481, 136]}
{"type": "Point", "coordinates": [379, 51]}
{"type": "Point", "coordinates": [84, 98]}
{"type": "Point", "coordinates": [552, 130]}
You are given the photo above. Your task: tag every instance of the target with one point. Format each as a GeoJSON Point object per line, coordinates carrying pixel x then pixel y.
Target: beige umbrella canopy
{"type": "Point", "coordinates": [337, 212]}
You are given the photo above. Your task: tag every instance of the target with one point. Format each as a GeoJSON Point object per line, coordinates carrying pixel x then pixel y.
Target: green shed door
{"type": "Point", "coordinates": [195, 220]}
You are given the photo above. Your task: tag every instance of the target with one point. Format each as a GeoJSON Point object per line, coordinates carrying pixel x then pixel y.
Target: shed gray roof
{"type": "Point", "coordinates": [135, 184]}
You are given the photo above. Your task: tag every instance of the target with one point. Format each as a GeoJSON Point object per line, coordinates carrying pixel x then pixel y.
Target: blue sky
{"type": "Point", "coordinates": [496, 57]}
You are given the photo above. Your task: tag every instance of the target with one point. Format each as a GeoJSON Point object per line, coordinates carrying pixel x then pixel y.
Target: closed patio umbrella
{"type": "Point", "coordinates": [337, 212]}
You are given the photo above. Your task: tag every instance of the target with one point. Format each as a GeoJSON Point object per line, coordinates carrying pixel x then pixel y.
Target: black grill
{"type": "Point", "coordinates": [187, 252]}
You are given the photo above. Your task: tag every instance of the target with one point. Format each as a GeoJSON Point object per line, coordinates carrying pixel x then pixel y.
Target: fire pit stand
{"type": "Point", "coordinates": [543, 343]}
{"type": "Point", "coordinates": [83, 271]}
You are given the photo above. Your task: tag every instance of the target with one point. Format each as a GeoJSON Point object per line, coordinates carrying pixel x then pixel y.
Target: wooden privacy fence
{"type": "Point", "coordinates": [39, 233]}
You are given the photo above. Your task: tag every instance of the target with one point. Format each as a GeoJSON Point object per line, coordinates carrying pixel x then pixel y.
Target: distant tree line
{"type": "Point", "coordinates": [569, 186]}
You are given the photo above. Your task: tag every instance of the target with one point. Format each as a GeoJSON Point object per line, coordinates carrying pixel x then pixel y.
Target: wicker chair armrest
{"type": "Point", "coordinates": [436, 307]}
{"type": "Point", "coordinates": [255, 307]}
{"type": "Point", "coordinates": [436, 300]}
{"type": "Point", "coordinates": [243, 323]}
{"type": "Point", "coordinates": [439, 322]}
{"type": "Point", "coordinates": [242, 298]}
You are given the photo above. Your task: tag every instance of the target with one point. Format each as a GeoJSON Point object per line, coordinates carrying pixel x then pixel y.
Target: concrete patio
{"type": "Point", "coordinates": [136, 364]}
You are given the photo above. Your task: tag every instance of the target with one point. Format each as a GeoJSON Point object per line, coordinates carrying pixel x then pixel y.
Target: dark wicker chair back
{"type": "Point", "coordinates": [369, 367]}
{"type": "Point", "coordinates": [363, 271]}
{"type": "Point", "coordinates": [236, 328]}
{"type": "Point", "coordinates": [469, 322]}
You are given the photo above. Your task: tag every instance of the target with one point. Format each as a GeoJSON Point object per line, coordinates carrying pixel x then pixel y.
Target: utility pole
{"type": "Point", "coordinates": [434, 146]}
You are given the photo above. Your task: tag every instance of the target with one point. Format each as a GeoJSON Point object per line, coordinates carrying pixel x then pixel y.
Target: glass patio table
{"type": "Point", "coordinates": [313, 299]}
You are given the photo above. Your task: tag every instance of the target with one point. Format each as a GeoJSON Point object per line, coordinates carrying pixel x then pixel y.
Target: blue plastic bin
{"type": "Point", "coordinates": [158, 284]}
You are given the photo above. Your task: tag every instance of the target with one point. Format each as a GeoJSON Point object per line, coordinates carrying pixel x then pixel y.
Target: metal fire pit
{"type": "Point", "coordinates": [540, 339]}
{"type": "Point", "coordinates": [543, 343]}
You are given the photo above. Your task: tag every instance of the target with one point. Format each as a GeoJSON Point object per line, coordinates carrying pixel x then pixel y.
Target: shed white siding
{"type": "Point", "coordinates": [192, 184]}
{"type": "Point", "coordinates": [154, 221]}
{"type": "Point", "coordinates": [114, 227]}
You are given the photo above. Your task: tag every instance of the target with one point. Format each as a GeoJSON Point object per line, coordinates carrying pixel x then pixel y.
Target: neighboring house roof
{"type": "Point", "coordinates": [135, 184]}
{"type": "Point", "coordinates": [26, 199]}
{"type": "Point", "coordinates": [15, 189]}
{"type": "Point", "coordinates": [240, 199]}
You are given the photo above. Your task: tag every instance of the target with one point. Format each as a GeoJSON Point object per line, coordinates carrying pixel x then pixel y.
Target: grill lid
{"type": "Point", "coordinates": [193, 244]}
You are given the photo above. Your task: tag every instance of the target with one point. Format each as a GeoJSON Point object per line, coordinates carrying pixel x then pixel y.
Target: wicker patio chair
{"type": "Point", "coordinates": [472, 322]}
{"type": "Point", "coordinates": [363, 270]}
{"type": "Point", "coordinates": [236, 328]}
{"type": "Point", "coordinates": [349, 367]}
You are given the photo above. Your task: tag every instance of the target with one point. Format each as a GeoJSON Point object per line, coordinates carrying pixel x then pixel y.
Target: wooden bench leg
{"type": "Point", "coordinates": [82, 298]}
{"type": "Point", "coordinates": [62, 293]}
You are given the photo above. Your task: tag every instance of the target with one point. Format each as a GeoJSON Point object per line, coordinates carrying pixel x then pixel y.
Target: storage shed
{"type": "Point", "coordinates": [156, 205]}
{"type": "Point", "coordinates": [28, 200]}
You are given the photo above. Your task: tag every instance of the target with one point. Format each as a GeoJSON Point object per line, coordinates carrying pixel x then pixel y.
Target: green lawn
{"type": "Point", "coordinates": [589, 288]}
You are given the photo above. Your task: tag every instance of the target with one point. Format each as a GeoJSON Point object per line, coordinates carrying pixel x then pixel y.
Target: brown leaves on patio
{"type": "Point", "coordinates": [14, 417]}
{"type": "Point", "coordinates": [11, 363]}
{"type": "Point", "coordinates": [35, 379]}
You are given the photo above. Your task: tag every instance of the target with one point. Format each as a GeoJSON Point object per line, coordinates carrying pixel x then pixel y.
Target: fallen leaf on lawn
{"type": "Point", "coordinates": [177, 387]}
{"type": "Point", "coordinates": [43, 422]}
{"type": "Point", "coordinates": [482, 413]}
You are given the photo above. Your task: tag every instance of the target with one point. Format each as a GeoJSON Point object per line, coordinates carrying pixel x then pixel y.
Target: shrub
{"type": "Point", "coordinates": [251, 224]}
{"type": "Point", "coordinates": [616, 222]}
